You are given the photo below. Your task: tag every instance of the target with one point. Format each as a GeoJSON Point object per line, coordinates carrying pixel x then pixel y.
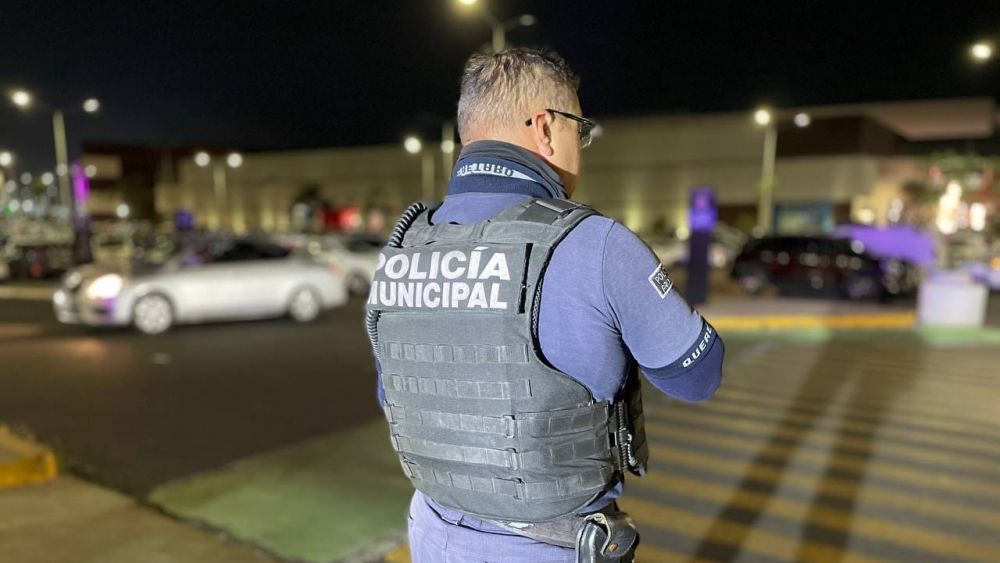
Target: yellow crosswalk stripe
{"type": "Point", "coordinates": [943, 366]}
{"type": "Point", "coordinates": [901, 534]}
{"type": "Point", "coordinates": [834, 487]}
{"type": "Point", "coordinates": [825, 437]}
{"type": "Point", "coordinates": [648, 553]}
{"type": "Point", "coordinates": [884, 430]}
{"type": "Point", "coordinates": [890, 386]}
{"type": "Point", "coordinates": [941, 481]}
{"type": "Point", "coordinates": [893, 412]}
{"type": "Point", "coordinates": [752, 540]}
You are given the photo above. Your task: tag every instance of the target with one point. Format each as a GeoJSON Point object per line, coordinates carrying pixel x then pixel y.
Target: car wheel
{"type": "Point", "coordinates": [358, 285]}
{"type": "Point", "coordinates": [862, 288]}
{"type": "Point", "coordinates": [153, 314]}
{"type": "Point", "coordinates": [752, 279]}
{"type": "Point", "coordinates": [304, 306]}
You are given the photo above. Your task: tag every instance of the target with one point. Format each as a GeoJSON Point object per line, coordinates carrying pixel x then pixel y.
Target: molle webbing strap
{"type": "Point", "coordinates": [593, 479]}
{"type": "Point", "coordinates": [461, 354]}
{"type": "Point", "coordinates": [539, 425]}
{"type": "Point", "coordinates": [456, 388]}
{"type": "Point", "coordinates": [506, 458]}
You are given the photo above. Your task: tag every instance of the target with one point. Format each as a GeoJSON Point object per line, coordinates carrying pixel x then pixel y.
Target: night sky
{"type": "Point", "coordinates": [268, 74]}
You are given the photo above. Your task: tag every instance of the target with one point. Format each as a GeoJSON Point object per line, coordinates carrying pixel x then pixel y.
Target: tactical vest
{"type": "Point", "coordinates": [481, 421]}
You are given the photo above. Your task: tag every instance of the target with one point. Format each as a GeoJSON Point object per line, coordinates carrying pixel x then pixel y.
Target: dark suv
{"type": "Point", "coordinates": [816, 265]}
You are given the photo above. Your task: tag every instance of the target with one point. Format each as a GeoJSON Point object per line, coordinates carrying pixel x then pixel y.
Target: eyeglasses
{"type": "Point", "coordinates": [587, 126]}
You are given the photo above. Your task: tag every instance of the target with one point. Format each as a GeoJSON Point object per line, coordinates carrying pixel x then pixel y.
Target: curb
{"type": "Point", "coordinates": [30, 463]}
{"type": "Point", "coordinates": [875, 321]}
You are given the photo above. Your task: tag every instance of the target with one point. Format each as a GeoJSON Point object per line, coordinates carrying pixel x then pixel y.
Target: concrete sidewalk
{"type": "Point", "coordinates": [68, 520]}
{"type": "Point", "coordinates": [46, 518]}
{"type": "Point", "coordinates": [338, 497]}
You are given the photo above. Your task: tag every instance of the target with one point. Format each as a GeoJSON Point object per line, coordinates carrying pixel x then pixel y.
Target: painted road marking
{"type": "Point", "coordinates": [877, 529]}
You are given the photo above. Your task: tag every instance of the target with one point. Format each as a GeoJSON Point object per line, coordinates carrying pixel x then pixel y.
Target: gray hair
{"type": "Point", "coordinates": [500, 89]}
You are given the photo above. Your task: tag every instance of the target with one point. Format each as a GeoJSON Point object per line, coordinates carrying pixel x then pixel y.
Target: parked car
{"type": "Point", "coordinates": [353, 256]}
{"type": "Point", "coordinates": [727, 242]}
{"type": "Point", "coordinates": [840, 267]}
{"type": "Point", "coordinates": [212, 281]}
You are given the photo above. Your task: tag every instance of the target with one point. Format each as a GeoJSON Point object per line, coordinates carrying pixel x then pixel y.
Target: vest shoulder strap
{"type": "Point", "coordinates": [544, 221]}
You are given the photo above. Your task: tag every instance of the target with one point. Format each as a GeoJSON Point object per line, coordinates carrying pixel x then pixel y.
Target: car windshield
{"type": "Point", "coordinates": [243, 250]}
{"type": "Point", "coordinates": [365, 244]}
{"type": "Point", "coordinates": [157, 251]}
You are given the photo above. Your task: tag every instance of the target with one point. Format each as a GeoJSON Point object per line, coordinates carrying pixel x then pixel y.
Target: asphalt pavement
{"type": "Point", "coordinates": [131, 412]}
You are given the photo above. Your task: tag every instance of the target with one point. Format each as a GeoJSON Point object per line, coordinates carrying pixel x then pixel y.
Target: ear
{"type": "Point", "coordinates": [541, 132]}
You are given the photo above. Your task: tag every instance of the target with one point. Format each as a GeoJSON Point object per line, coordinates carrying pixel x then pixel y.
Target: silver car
{"type": "Point", "coordinates": [213, 281]}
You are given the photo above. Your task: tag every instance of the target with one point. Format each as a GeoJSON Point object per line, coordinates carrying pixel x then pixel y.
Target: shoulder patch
{"type": "Point", "coordinates": [660, 281]}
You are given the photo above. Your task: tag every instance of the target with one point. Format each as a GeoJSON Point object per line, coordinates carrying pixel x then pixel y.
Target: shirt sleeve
{"type": "Point", "coordinates": [680, 353]}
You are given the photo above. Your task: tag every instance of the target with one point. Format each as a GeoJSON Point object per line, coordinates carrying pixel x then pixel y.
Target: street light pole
{"type": "Point", "coordinates": [447, 147]}
{"type": "Point", "coordinates": [765, 205]}
{"type": "Point", "coordinates": [219, 187]}
{"type": "Point", "coordinates": [62, 162]}
{"type": "Point", "coordinates": [499, 28]}
{"type": "Point", "coordinates": [499, 34]}
{"type": "Point", "coordinates": [768, 119]}
{"type": "Point", "coordinates": [427, 174]}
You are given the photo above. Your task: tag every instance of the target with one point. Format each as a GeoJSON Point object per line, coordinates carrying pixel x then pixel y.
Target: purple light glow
{"type": "Point", "coordinates": [81, 184]}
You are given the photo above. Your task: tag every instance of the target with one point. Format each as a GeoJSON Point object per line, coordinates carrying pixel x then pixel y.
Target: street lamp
{"type": "Point", "coordinates": [412, 144]}
{"type": "Point", "coordinates": [202, 159]}
{"type": "Point", "coordinates": [234, 160]}
{"type": "Point", "coordinates": [981, 51]}
{"type": "Point", "coordinates": [6, 159]}
{"type": "Point", "coordinates": [20, 98]}
{"type": "Point", "coordinates": [500, 28]}
{"type": "Point", "coordinates": [765, 117]}
{"type": "Point", "coordinates": [762, 117]}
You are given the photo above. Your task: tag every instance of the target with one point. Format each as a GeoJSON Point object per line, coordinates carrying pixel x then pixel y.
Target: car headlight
{"type": "Point", "coordinates": [107, 286]}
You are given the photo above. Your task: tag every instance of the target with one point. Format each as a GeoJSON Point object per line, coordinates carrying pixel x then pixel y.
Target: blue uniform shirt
{"type": "Point", "coordinates": [606, 302]}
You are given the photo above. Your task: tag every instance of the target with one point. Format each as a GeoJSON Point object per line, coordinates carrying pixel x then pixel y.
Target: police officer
{"type": "Point", "coordinates": [509, 325]}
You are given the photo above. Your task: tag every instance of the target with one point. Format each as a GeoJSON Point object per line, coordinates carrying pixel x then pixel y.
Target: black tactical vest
{"type": "Point", "coordinates": [481, 421]}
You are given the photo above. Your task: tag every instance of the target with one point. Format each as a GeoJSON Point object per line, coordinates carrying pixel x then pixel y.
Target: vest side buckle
{"type": "Point", "coordinates": [509, 426]}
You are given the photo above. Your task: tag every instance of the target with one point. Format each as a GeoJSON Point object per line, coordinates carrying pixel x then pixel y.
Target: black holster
{"type": "Point", "coordinates": [607, 537]}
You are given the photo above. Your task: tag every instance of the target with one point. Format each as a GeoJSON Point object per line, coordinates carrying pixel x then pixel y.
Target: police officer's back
{"type": "Point", "coordinates": [509, 323]}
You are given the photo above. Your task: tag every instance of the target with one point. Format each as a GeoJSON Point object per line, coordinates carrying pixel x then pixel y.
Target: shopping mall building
{"type": "Point", "coordinates": [851, 162]}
